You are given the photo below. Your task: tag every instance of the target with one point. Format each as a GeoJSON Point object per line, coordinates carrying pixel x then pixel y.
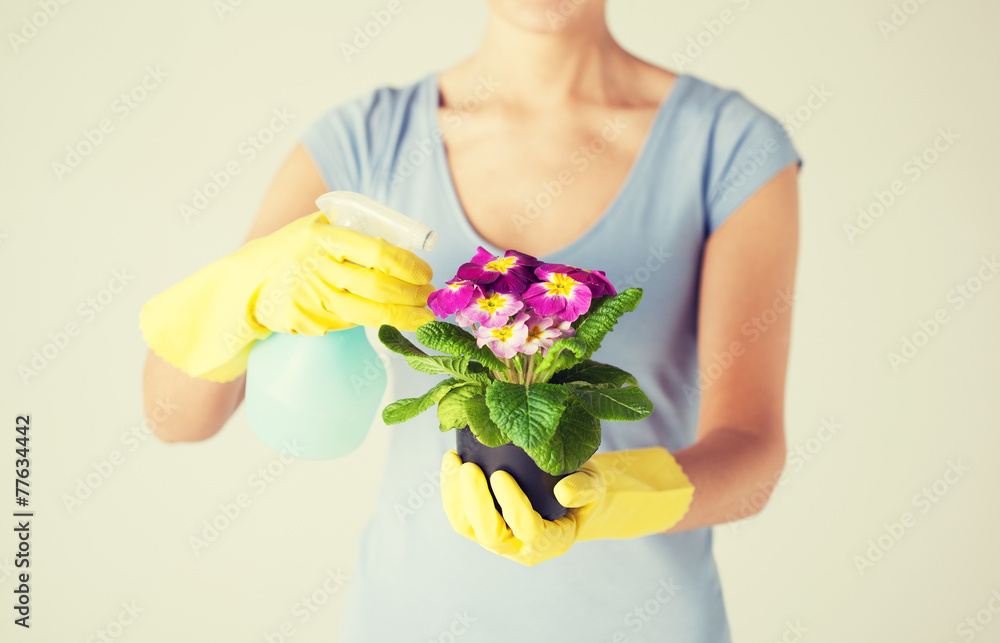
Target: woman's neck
{"type": "Point", "coordinates": [580, 63]}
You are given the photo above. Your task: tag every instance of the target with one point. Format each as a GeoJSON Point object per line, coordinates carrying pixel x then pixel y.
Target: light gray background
{"type": "Point", "coordinates": [61, 241]}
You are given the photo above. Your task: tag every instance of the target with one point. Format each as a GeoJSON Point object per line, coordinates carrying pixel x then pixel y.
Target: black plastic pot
{"type": "Point", "coordinates": [536, 484]}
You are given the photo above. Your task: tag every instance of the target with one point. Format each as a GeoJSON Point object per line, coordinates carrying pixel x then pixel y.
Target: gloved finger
{"type": "Point", "coordinates": [451, 495]}
{"type": "Point", "coordinates": [315, 320]}
{"type": "Point", "coordinates": [580, 488]}
{"type": "Point", "coordinates": [304, 315]}
{"type": "Point", "coordinates": [488, 525]}
{"type": "Point", "coordinates": [344, 244]}
{"type": "Point", "coordinates": [365, 312]}
{"type": "Point", "coordinates": [371, 284]}
{"type": "Point", "coordinates": [524, 521]}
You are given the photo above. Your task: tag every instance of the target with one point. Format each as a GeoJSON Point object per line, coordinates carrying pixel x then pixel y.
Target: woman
{"type": "Point", "coordinates": [554, 141]}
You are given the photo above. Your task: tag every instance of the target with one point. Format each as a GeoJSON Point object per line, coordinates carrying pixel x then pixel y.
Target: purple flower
{"type": "Point", "coordinates": [504, 340]}
{"type": "Point", "coordinates": [455, 296]}
{"type": "Point", "coordinates": [541, 334]}
{"type": "Point", "coordinates": [595, 280]}
{"type": "Point", "coordinates": [558, 293]}
{"type": "Point", "coordinates": [510, 273]}
{"type": "Point", "coordinates": [492, 309]}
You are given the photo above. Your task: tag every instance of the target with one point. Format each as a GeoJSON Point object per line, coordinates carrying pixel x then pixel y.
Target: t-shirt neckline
{"type": "Point", "coordinates": [432, 99]}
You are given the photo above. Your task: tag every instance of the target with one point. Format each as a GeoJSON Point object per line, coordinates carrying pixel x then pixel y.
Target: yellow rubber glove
{"type": "Point", "coordinates": [623, 494]}
{"type": "Point", "coordinates": [307, 278]}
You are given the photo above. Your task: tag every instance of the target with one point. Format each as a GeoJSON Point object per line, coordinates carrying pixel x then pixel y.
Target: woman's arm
{"type": "Point", "coordinates": [181, 408]}
{"type": "Point", "coordinates": [748, 275]}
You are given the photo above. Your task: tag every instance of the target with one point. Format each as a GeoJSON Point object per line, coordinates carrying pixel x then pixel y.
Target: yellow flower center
{"type": "Point", "coordinates": [561, 284]}
{"type": "Point", "coordinates": [501, 265]}
{"type": "Point", "coordinates": [492, 303]}
{"type": "Point", "coordinates": [503, 333]}
{"type": "Point", "coordinates": [535, 333]}
{"type": "Point", "coordinates": [456, 286]}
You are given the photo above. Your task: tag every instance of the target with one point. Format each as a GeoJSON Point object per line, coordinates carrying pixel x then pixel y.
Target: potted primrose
{"type": "Point", "coordinates": [521, 389]}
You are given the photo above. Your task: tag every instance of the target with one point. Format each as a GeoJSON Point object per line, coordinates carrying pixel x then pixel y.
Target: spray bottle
{"type": "Point", "coordinates": [315, 397]}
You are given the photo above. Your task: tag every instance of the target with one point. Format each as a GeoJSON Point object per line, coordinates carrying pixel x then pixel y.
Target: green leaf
{"type": "Point", "coordinates": [626, 404]}
{"type": "Point", "coordinates": [449, 338]}
{"type": "Point", "coordinates": [595, 373]}
{"type": "Point", "coordinates": [484, 428]}
{"type": "Point", "coordinates": [410, 407]}
{"type": "Point", "coordinates": [528, 414]}
{"type": "Point", "coordinates": [394, 341]}
{"type": "Point", "coordinates": [576, 439]}
{"type": "Point", "coordinates": [459, 367]}
{"type": "Point", "coordinates": [603, 315]}
{"type": "Point", "coordinates": [451, 408]}
{"type": "Point", "coordinates": [563, 354]}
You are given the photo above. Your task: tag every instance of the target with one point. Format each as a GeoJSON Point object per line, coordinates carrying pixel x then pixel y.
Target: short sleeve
{"type": "Point", "coordinates": [749, 147]}
{"type": "Point", "coordinates": [343, 142]}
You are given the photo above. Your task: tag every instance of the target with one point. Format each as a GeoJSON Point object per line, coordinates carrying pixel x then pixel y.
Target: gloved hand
{"type": "Point", "coordinates": [623, 494]}
{"type": "Point", "coordinates": [307, 278]}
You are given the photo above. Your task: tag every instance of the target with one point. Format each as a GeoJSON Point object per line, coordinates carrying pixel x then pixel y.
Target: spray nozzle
{"type": "Point", "coordinates": [367, 216]}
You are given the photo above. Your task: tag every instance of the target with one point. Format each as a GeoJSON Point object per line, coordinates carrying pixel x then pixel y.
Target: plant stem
{"type": "Point", "coordinates": [530, 371]}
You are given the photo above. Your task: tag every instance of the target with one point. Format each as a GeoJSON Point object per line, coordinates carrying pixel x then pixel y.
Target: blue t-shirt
{"type": "Point", "coordinates": [707, 151]}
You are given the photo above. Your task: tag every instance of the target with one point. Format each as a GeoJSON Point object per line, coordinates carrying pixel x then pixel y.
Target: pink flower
{"type": "Point", "coordinates": [462, 320]}
{"type": "Point", "coordinates": [492, 309]}
{"type": "Point", "coordinates": [565, 329]}
{"type": "Point", "coordinates": [455, 296]}
{"type": "Point", "coordinates": [505, 340]}
{"type": "Point", "coordinates": [541, 334]}
{"type": "Point", "coordinates": [558, 293]}
{"type": "Point", "coordinates": [510, 273]}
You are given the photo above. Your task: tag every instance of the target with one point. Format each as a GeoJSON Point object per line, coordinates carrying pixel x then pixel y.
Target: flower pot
{"type": "Point", "coordinates": [536, 484]}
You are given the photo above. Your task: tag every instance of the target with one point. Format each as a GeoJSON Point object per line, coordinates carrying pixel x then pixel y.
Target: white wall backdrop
{"type": "Point", "coordinates": [868, 537]}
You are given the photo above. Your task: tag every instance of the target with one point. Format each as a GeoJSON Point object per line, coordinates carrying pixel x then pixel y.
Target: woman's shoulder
{"type": "Point", "coordinates": [373, 105]}
{"type": "Point", "coordinates": [723, 107]}
{"type": "Point", "coordinates": [349, 140]}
